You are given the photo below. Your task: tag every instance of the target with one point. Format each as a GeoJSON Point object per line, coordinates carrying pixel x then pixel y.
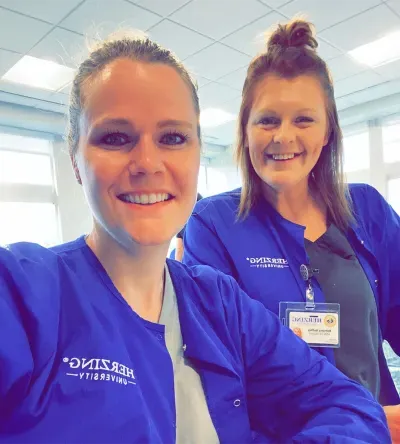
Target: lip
{"type": "Point", "coordinates": [138, 192]}
{"type": "Point", "coordinates": [269, 156]}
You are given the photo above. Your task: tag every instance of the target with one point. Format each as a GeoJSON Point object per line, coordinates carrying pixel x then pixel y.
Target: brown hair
{"type": "Point", "coordinates": [129, 45]}
{"type": "Point", "coordinates": [291, 51]}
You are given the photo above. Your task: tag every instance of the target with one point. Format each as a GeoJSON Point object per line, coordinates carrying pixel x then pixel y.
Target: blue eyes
{"type": "Point", "coordinates": [173, 138]}
{"type": "Point", "coordinates": [115, 139]}
{"type": "Point", "coordinates": [118, 139]}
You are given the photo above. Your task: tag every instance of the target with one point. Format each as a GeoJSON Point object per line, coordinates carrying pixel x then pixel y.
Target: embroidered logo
{"type": "Point", "coordinates": [98, 369]}
{"type": "Point", "coordinates": [267, 262]}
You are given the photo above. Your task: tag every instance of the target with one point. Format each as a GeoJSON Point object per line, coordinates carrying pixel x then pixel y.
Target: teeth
{"type": "Point", "coordinates": [282, 156]}
{"type": "Point", "coordinates": [145, 199]}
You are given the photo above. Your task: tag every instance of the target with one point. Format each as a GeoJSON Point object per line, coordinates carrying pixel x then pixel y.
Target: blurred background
{"type": "Point", "coordinates": [42, 41]}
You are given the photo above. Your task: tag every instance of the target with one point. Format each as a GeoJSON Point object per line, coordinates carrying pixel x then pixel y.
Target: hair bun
{"type": "Point", "coordinates": [295, 34]}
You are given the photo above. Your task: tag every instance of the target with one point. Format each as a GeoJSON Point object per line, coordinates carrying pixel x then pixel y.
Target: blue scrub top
{"type": "Point", "coordinates": [78, 365]}
{"type": "Point", "coordinates": [264, 253]}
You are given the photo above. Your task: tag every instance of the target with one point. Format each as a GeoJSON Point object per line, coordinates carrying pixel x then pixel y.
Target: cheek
{"type": "Point", "coordinates": [185, 171]}
{"type": "Point", "coordinates": [257, 142]}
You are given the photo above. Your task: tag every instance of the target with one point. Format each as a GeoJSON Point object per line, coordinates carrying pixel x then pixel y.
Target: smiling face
{"type": "Point", "coordinates": [286, 130]}
{"type": "Point", "coordinates": [139, 151]}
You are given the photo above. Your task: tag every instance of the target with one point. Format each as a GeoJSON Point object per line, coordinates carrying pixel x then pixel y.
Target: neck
{"type": "Point", "coordinates": [136, 271]}
{"type": "Point", "coordinates": [291, 203]}
{"type": "Point", "coordinates": [298, 205]}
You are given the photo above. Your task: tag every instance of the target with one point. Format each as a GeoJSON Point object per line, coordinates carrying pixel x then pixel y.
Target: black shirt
{"type": "Point", "coordinates": [343, 281]}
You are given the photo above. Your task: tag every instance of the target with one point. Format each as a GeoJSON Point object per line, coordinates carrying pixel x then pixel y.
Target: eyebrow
{"type": "Point", "coordinates": [270, 111]}
{"type": "Point", "coordinates": [117, 121]}
{"type": "Point", "coordinates": [173, 122]}
{"type": "Point", "coordinates": [163, 124]}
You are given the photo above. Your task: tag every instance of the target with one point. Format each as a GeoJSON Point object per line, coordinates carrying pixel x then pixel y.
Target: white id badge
{"type": "Point", "coordinates": [319, 325]}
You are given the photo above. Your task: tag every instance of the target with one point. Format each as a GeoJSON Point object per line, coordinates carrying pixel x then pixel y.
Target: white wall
{"type": "Point", "coordinates": [74, 215]}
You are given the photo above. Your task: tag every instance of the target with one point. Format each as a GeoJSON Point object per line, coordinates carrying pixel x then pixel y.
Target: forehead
{"type": "Point", "coordinates": [299, 92]}
{"type": "Point", "coordinates": [138, 90]}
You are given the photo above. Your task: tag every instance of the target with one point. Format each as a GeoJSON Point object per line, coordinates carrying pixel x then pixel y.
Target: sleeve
{"type": "Point", "coordinates": [29, 314]}
{"type": "Point", "coordinates": [202, 245]}
{"type": "Point", "coordinates": [16, 360]}
{"type": "Point", "coordinates": [391, 232]}
{"type": "Point", "coordinates": [294, 393]}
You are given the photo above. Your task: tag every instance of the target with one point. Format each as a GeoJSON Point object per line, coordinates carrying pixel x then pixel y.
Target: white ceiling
{"type": "Point", "coordinates": [215, 38]}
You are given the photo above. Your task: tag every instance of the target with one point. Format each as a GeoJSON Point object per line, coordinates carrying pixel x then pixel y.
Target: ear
{"type": "Point", "coordinates": [75, 168]}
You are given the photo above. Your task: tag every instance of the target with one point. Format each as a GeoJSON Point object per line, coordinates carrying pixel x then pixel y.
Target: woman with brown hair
{"type": "Point", "coordinates": [323, 255]}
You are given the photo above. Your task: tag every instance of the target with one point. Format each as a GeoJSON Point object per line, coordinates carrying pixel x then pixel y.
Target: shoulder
{"type": "Point", "coordinates": [210, 286]}
{"type": "Point", "coordinates": [219, 203]}
{"type": "Point", "coordinates": [364, 194]}
{"type": "Point", "coordinates": [33, 274]}
{"type": "Point", "coordinates": [368, 203]}
{"type": "Point", "coordinates": [30, 257]}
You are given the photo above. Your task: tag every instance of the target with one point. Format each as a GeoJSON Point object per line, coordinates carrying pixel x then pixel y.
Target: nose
{"type": "Point", "coordinates": [285, 134]}
{"type": "Point", "coordinates": [146, 157]}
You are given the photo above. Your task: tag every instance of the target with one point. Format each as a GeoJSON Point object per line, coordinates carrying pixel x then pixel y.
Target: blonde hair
{"type": "Point", "coordinates": [291, 51]}
{"type": "Point", "coordinates": [131, 45]}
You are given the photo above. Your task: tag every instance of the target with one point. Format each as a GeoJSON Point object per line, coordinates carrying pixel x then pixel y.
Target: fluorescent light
{"type": "Point", "coordinates": [211, 117]}
{"type": "Point", "coordinates": [378, 52]}
{"type": "Point", "coordinates": [39, 73]}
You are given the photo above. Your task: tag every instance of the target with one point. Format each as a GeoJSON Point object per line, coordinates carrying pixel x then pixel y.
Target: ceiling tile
{"type": "Point", "coordinates": [7, 60]}
{"type": "Point", "coordinates": [343, 103]}
{"type": "Point", "coordinates": [217, 19]}
{"type": "Point", "coordinates": [375, 92]}
{"type": "Point", "coordinates": [356, 83]}
{"type": "Point", "coordinates": [370, 25]}
{"type": "Point", "coordinates": [184, 42]}
{"type": "Point", "coordinates": [216, 61]}
{"type": "Point", "coordinates": [326, 13]}
{"type": "Point", "coordinates": [65, 89]}
{"type": "Point", "coordinates": [102, 17]}
{"type": "Point", "coordinates": [275, 3]}
{"type": "Point", "coordinates": [19, 33]}
{"type": "Point", "coordinates": [251, 39]}
{"type": "Point", "coordinates": [233, 106]}
{"type": "Point", "coordinates": [343, 66]}
{"type": "Point", "coordinates": [201, 81]}
{"type": "Point", "coordinates": [161, 7]}
{"type": "Point", "coordinates": [394, 5]}
{"type": "Point", "coordinates": [61, 46]}
{"type": "Point", "coordinates": [327, 51]}
{"type": "Point", "coordinates": [213, 95]}
{"type": "Point", "coordinates": [49, 10]}
{"type": "Point", "coordinates": [235, 79]}
{"type": "Point", "coordinates": [390, 71]}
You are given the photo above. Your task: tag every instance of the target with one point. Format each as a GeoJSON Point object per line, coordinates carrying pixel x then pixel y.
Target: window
{"type": "Point", "coordinates": [27, 208]}
{"type": "Point", "coordinates": [356, 152]}
{"type": "Point", "coordinates": [391, 141]}
{"type": "Point", "coordinates": [217, 181]}
{"type": "Point", "coordinates": [33, 222]}
{"type": "Point", "coordinates": [202, 182]}
{"type": "Point", "coordinates": [394, 194]}
{"type": "Point", "coordinates": [19, 167]}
